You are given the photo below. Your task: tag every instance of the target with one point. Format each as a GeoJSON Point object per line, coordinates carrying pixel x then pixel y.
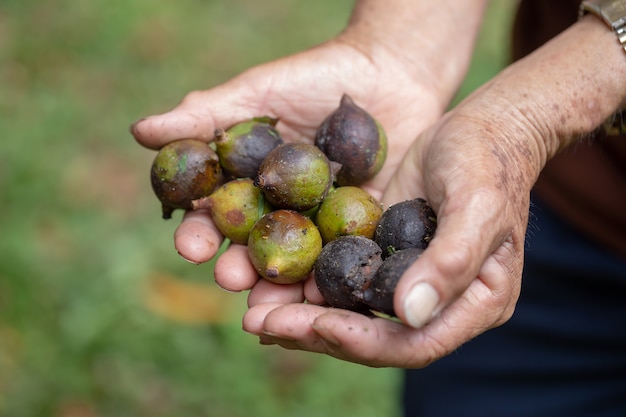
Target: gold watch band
{"type": "Point", "coordinates": [612, 12]}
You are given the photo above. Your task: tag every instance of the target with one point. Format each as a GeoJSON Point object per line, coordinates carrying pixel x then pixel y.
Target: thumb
{"type": "Point", "coordinates": [198, 115]}
{"type": "Point", "coordinates": [467, 234]}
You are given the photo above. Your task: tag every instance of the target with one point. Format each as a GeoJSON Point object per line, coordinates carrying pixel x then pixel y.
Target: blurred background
{"type": "Point", "coordinates": [99, 316]}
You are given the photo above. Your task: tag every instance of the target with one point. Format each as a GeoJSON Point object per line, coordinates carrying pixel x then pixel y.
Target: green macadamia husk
{"type": "Point", "coordinates": [283, 246]}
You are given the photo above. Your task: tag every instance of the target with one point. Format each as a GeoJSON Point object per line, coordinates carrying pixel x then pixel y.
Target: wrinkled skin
{"type": "Point", "coordinates": [474, 165]}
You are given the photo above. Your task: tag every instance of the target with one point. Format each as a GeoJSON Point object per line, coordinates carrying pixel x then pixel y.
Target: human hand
{"type": "Point", "coordinates": [466, 282]}
{"type": "Point", "coordinates": [300, 91]}
{"type": "Point", "coordinates": [476, 168]}
{"type": "Point", "coordinates": [404, 82]}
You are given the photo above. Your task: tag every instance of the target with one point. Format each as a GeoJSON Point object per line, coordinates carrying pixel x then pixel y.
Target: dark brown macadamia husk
{"type": "Point", "coordinates": [379, 295]}
{"type": "Point", "coordinates": [344, 269]}
{"type": "Point", "coordinates": [408, 224]}
{"type": "Point", "coordinates": [242, 147]}
{"type": "Point", "coordinates": [353, 138]}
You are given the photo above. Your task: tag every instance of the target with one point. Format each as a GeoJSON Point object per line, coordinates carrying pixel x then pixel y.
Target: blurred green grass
{"type": "Point", "coordinates": [93, 315]}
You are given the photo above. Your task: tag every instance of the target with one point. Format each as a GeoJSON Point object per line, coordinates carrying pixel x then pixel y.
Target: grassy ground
{"type": "Point", "coordinates": [98, 314]}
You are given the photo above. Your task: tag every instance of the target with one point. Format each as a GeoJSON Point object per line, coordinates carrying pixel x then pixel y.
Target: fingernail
{"type": "Point", "coordinates": [228, 290]}
{"type": "Point", "coordinates": [420, 304]}
{"type": "Point", "coordinates": [271, 334]}
{"type": "Point", "coordinates": [266, 341]}
{"type": "Point", "coordinates": [324, 334]}
{"type": "Point", "coordinates": [132, 126]}
{"type": "Point", "coordinates": [188, 260]}
{"type": "Point", "coordinates": [275, 336]}
{"type": "Point", "coordinates": [330, 347]}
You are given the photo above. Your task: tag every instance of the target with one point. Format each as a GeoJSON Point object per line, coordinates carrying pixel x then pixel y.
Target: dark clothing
{"type": "Point", "coordinates": [586, 183]}
{"type": "Point", "coordinates": [563, 353]}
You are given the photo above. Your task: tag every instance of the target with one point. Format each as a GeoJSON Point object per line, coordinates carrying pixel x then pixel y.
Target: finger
{"type": "Point", "coordinates": [288, 325]}
{"type": "Point", "coordinates": [233, 270]}
{"type": "Point", "coordinates": [369, 341]}
{"type": "Point", "coordinates": [376, 342]}
{"type": "Point", "coordinates": [342, 334]}
{"type": "Point", "coordinates": [196, 238]}
{"type": "Point", "coordinates": [469, 230]}
{"type": "Point", "coordinates": [253, 319]}
{"type": "Point", "coordinates": [268, 292]}
{"type": "Point", "coordinates": [198, 115]}
{"type": "Point", "coordinates": [311, 293]}
{"type": "Point", "coordinates": [383, 342]}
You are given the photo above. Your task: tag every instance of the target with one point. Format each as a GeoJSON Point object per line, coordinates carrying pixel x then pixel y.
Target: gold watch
{"type": "Point", "coordinates": [612, 12]}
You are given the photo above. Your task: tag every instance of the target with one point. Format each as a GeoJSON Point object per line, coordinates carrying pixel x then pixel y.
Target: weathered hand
{"type": "Point", "coordinates": [300, 90]}
{"type": "Point", "coordinates": [476, 167]}
{"type": "Point", "coordinates": [466, 282]}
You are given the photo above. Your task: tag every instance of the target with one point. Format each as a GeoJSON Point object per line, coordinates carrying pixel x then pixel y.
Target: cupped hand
{"type": "Point", "coordinates": [471, 268]}
{"type": "Point", "coordinates": [476, 167]}
{"type": "Point", "coordinates": [299, 90]}
{"type": "Point", "coordinates": [466, 282]}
